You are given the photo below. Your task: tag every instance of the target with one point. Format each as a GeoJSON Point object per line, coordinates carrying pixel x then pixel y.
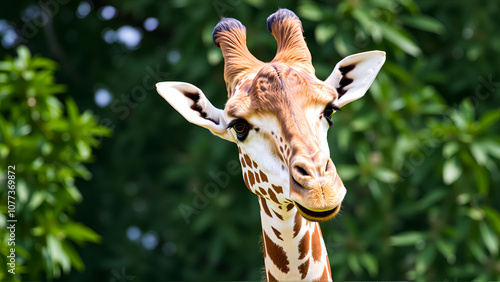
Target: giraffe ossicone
{"type": "Point", "coordinates": [278, 114]}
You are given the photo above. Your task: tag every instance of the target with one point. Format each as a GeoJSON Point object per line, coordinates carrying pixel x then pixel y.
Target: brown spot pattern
{"type": "Point", "coordinates": [289, 207]}
{"type": "Point", "coordinates": [263, 177]}
{"type": "Point", "coordinates": [263, 191]}
{"type": "Point", "coordinates": [303, 268]}
{"type": "Point", "coordinates": [257, 178]}
{"type": "Point", "coordinates": [254, 164]}
{"type": "Point", "coordinates": [248, 160]}
{"type": "Point", "coordinates": [277, 233]}
{"type": "Point", "coordinates": [278, 189]}
{"type": "Point", "coordinates": [297, 225]}
{"type": "Point", "coordinates": [316, 244]}
{"type": "Point", "coordinates": [273, 196]}
{"type": "Point", "coordinates": [324, 276]}
{"type": "Point", "coordinates": [304, 245]}
{"type": "Point", "coordinates": [278, 215]}
{"type": "Point", "coordinates": [251, 178]}
{"type": "Point", "coordinates": [270, 277]}
{"type": "Point", "coordinates": [276, 254]}
{"type": "Point", "coordinates": [265, 207]}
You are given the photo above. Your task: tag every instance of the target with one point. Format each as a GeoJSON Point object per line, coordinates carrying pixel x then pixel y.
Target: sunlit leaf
{"type": "Point", "coordinates": [425, 259]}
{"type": "Point", "coordinates": [487, 120]}
{"type": "Point", "coordinates": [57, 253]}
{"type": "Point", "coordinates": [489, 238]}
{"type": "Point", "coordinates": [386, 175]}
{"type": "Point", "coordinates": [447, 249]}
{"type": "Point", "coordinates": [451, 171]}
{"type": "Point", "coordinates": [477, 251]}
{"type": "Point", "coordinates": [406, 238]}
{"type": "Point", "coordinates": [310, 12]}
{"type": "Point", "coordinates": [354, 264]}
{"type": "Point", "coordinates": [450, 148]}
{"type": "Point", "coordinates": [425, 23]}
{"type": "Point", "coordinates": [399, 39]}
{"type": "Point", "coordinates": [324, 32]}
{"type": "Point", "coordinates": [81, 233]}
{"type": "Point", "coordinates": [370, 263]}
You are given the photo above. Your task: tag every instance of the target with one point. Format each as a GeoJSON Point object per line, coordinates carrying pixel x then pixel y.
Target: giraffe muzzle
{"type": "Point", "coordinates": [316, 189]}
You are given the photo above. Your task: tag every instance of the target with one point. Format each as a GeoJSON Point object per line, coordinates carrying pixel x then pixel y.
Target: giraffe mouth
{"type": "Point", "coordinates": [319, 216]}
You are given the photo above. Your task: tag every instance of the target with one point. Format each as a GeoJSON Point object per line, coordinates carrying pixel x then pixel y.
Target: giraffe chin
{"type": "Point", "coordinates": [318, 216]}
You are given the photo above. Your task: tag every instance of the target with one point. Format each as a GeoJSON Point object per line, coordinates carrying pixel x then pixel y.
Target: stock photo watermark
{"type": "Point", "coordinates": [201, 198]}
{"type": "Point", "coordinates": [121, 276]}
{"type": "Point", "coordinates": [486, 87]}
{"type": "Point", "coordinates": [11, 221]}
{"type": "Point", "coordinates": [223, 6]}
{"type": "Point", "coordinates": [123, 105]}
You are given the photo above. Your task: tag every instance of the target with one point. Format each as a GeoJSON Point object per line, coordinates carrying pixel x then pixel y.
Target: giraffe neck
{"type": "Point", "coordinates": [293, 246]}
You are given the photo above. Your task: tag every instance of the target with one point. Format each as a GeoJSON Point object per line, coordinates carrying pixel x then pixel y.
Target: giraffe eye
{"type": "Point", "coordinates": [329, 111]}
{"type": "Point", "coordinates": [241, 127]}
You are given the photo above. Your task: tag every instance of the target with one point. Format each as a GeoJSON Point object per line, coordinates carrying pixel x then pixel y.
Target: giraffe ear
{"type": "Point", "coordinates": [354, 74]}
{"type": "Point", "coordinates": [193, 105]}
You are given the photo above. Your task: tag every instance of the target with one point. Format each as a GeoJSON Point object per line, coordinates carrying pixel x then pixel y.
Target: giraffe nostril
{"type": "Point", "coordinates": [328, 167]}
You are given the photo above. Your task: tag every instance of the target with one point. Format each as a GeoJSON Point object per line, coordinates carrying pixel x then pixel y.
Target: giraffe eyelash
{"type": "Point", "coordinates": [236, 121]}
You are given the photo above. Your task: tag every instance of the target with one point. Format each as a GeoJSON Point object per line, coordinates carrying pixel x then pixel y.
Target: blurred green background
{"type": "Point", "coordinates": [110, 179]}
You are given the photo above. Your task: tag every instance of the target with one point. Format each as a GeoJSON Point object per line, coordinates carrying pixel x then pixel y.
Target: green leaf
{"type": "Point", "coordinates": [24, 56]}
{"type": "Point", "coordinates": [74, 257]}
{"type": "Point", "coordinates": [36, 199]}
{"type": "Point", "coordinates": [447, 249]}
{"type": "Point", "coordinates": [493, 148]}
{"type": "Point", "coordinates": [425, 23]}
{"type": "Point", "coordinates": [490, 240]}
{"type": "Point", "coordinates": [399, 39]}
{"type": "Point", "coordinates": [81, 233]}
{"type": "Point", "coordinates": [425, 259]}
{"type": "Point", "coordinates": [482, 180]}
{"type": "Point", "coordinates": [386, 175]}
{"type": "Point", "coordinates": [451, 171]}
{"type": "Point", "coordinates": [310, 12]}
{"type": "Point", "coordinates": [406, 238]}
{"type": "Point", "coordinates": [72, 109]}
{"type": "Point", "coordinates": [493, 218]}
{"type": "Point", "coordinates": [347, 172]}
{"type": "Point", "coordinates": [340, 45]}
{"type": "Point", "coordinates": [432, 198]}
{"type": "Point", "coordinates": [324, 32]}
{"type": "Point", "coordinates": [487, 120]}
{"type": "Point", "coordinates": [479, 153]}
{"type": "Point", "coordinates": [353, 262]}
{"type": "Point", "coordinates": [57, 253]}
{"type": "Point", "coordinates": [450, 148]}
{"type": "Point", "coordinates": [370, 263]}
{"type": "Point", "coordinates": [83, 149]}
{"type": "Point", "coordinates": [476, 251]}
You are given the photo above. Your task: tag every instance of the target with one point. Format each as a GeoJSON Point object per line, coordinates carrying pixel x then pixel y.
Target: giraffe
{"type": "Point", "coordinates": [278, 114]}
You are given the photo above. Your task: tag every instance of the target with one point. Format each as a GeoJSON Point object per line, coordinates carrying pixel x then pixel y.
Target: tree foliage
{"type": "Point", "coordinates": [419, 154]}
{"type": "Point", "coordinates": [46, 141]}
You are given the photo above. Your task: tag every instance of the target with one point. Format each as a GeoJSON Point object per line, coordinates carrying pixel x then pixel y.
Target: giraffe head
{"type": "Point", "coordinates": [278, 113]}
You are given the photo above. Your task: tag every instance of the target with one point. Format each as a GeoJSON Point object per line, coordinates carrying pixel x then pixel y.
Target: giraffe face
{"type": "Point", "coordinates": [279, 119]}
{"type": "Point", "coordinates": [278, 113]}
